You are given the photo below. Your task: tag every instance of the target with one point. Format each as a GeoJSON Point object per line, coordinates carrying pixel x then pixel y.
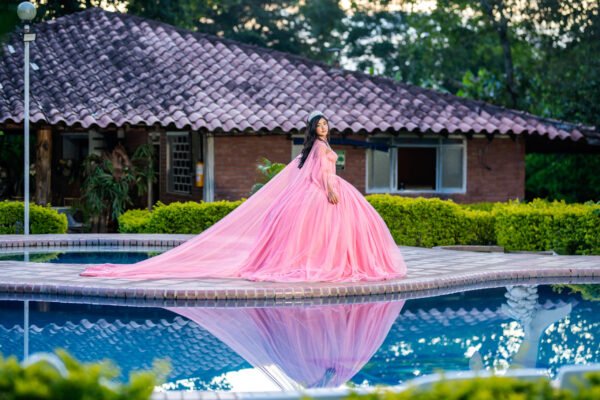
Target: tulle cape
{"type": "Point", "coordinates": [287, 231]}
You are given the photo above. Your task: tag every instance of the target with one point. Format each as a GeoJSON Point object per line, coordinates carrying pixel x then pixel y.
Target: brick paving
{"type": "Point", "coordinates": [429, 271]}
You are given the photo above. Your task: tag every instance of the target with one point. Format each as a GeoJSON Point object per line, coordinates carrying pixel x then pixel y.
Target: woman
{"type": "Point", "coordinates": [305, 225]}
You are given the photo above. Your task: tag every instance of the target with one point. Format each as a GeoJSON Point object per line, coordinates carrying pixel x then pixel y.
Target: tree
{"type": "Point", "coordinates": [8, 18]}
{"type": "Point", "coordinates": [307, 28]}
{"type": "Point", "coordinates": [569, 177]}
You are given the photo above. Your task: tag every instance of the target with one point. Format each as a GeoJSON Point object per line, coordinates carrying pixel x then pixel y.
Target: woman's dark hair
{"type": "Point", "coordinates": [310, 136]}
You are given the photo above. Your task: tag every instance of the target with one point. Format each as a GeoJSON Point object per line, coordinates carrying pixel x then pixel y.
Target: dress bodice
{"type": "Point", "coordinates": [323, 166]}
{"type": "Point", "coordinates": [332, 155]}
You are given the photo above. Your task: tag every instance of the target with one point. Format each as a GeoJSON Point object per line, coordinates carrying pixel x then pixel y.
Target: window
{"type": "Point", "coordinates": [400, 165]}
{"type": "Point", "coordinates": [179, 162]}
{"type": "Point", "coordinates": [378, 166]}
{"type": "Point", "coordinates": [416, 168]}
{"type": "Point", "coordinates": [297, 145]}
{"type": "Point", "coordinates": [75, 145]}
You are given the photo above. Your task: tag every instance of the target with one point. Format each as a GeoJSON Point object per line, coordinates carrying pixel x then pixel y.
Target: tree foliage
{"type": "Point", "coordinates": [307, 27]}
{"type": "Point", "coordinates": [534, 56]}
{"type": "Point", "coordinates": [299, 27]}
{"type": "Point", "coordinates": [570, 177]}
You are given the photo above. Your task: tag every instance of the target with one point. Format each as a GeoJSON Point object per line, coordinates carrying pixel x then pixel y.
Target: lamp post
{"type": "Point", "coordinates": [26, 12]}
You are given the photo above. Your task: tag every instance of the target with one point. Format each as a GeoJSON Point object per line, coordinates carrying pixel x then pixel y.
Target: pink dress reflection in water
{"type": "Point", "coordinates": [301, 347]}
{"type": "Point", "coordinates": [288, 231]}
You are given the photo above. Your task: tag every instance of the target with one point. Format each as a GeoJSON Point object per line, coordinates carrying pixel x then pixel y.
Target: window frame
{"type": "Point", "coordinates": [170, 182]}
{"type": "Point", "coordinates": [393, 154]}
{"type": "Point", "coordinates": [296, 136]}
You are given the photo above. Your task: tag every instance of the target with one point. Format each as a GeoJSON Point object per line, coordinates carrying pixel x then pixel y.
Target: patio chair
{"type": "Point", "coordinates": [73, 225]}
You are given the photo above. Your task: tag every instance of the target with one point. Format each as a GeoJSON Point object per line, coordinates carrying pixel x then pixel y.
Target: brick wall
{"type": "Point", "coordinates": [135, 137]}
{"type": "Point", "coordinates": [495, 170]}
{"type": "Point", "coordinates": [236, 158]}
{"type": "Point", "coordinates": [356, 159]}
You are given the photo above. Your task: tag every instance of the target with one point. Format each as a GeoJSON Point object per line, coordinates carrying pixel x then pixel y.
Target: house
{"type": "Point", "coordinates": [99, 78]}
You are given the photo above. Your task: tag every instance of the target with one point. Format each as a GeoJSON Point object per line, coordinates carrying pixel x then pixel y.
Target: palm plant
{"type": "Point", "coordinates": [105, 192]}
{"type": "Point", "coordinates": [268, 170]}
{"type": "Point", "coordinates": [144, 161]}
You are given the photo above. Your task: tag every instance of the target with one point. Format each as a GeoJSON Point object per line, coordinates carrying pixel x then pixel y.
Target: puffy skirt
{"type": "Point", "coordinates": [305, 238]}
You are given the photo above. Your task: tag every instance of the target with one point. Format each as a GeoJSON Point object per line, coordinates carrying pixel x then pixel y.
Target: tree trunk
{"type": "Point", "coordinates": [43, 166]}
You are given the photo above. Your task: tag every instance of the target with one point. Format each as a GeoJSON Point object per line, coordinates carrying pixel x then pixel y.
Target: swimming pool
{"type": "Point", "coordinates": [291, 346]}
{"type": "Point", "coordinates": [83, 255]}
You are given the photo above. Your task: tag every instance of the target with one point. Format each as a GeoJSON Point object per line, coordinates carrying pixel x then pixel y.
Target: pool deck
{"type": "Point", "coordinates": [429, 271]}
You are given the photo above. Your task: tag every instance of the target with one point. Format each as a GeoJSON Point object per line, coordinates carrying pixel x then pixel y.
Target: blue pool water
{"type": "Point", "coordinates": [366, 344]}
{"type": "Point", "coordinates": [85, 255]}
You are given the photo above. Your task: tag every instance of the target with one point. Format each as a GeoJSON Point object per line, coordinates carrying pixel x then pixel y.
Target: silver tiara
{"type": "Point", "coordinates": [313, 115]}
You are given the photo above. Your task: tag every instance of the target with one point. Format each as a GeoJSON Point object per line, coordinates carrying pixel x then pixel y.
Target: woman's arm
{"type": "Point", "coordinates": [327, 172]}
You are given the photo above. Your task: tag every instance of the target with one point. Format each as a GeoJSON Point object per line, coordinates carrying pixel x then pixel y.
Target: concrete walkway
{"type": "Point", "coordinates": [430, 271]}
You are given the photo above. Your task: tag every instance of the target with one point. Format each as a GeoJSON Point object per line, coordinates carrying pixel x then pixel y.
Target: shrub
{"type": "Point", "coordinates": [134, 221]}
{"type": "Point", "coordinates": [432, 222]}
{"type": "Point", "coordinates": [492, 388]}
{"type": "Point", "coordinates": [482, 206]}
{"type": "Point", "coordinates": [44, 380]}
{"type": "Point", "coordinates": [542, 225]}
{"type": "Point", "coordinates": [41, 219]}
{"type": "Point", "coordinates": [478, 227]}
{"type": "Point", "coordinates": [190, 217]}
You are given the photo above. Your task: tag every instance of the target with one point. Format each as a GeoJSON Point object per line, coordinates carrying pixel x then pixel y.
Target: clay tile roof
{"type": "Point", "coordinates": [99, 68]}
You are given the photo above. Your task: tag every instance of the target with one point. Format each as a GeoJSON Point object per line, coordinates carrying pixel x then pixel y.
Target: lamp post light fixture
{"type": "Point", "coordinates": [26, 12]}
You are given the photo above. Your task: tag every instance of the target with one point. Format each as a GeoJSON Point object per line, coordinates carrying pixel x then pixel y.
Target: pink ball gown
{"type": "Point", "coordinates": [305, 346]}
{"type": "Point", "coordinates": [288, 231]}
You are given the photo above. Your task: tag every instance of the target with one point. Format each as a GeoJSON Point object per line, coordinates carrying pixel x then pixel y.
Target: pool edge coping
{"type": "Point", "coordinates": [292, 292]}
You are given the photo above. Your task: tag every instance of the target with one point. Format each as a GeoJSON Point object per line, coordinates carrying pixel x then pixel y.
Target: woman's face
{"type": "Point", "coordinates": [322, 129]}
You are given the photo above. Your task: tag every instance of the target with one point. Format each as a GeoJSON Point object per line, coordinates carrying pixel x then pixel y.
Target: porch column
{"type": "Point", "coordinates": [209, 168]}
{"type": "Point", "coordinates": [43, 165]}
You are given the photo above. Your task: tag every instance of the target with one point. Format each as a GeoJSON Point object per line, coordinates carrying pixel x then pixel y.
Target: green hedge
{"type": "Point", "coordinates": [542, 225]}
{"type": "Point", "coordinates": [432, 222]}
{"type": "Point", "coordinates": [479, 227]}
{"type": "Point", "coordinates": [493, 388]}
{"type": "Point", "coordinates": [535, 226]}
{"type": "Point", "coordinates": [41, 219]}
{"type": "Point", "coordinates": [43, 380]}
{"type": "Point", "coordinates": [189, 217]}
{"type": "Point", "coordinates": [134, 221]}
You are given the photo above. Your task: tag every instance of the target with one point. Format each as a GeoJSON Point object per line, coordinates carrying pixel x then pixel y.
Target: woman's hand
{"type": "Point", "coordinates": [332, 197]}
